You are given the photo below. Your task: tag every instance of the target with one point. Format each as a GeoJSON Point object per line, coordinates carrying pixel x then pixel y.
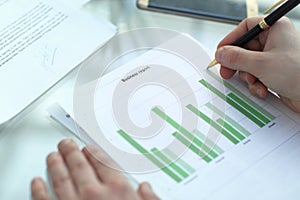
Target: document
{"type": "Point", "coordinates": [189, 133]}
{"type": "Point", "coordinates": [41, 41]}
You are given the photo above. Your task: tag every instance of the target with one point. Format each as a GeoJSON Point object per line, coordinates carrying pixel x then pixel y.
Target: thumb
{"type": "Point", "coordinates": [240, 59]}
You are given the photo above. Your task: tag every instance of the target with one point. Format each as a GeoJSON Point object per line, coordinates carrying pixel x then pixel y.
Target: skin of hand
{"type": "Point", "coordinates": [269, 61]}
{"type": "Point", "coordinates": [77, 174]}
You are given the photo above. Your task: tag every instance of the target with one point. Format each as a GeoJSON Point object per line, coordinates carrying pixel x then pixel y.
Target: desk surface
{"type": "Point", "coordinates": [26, 143]}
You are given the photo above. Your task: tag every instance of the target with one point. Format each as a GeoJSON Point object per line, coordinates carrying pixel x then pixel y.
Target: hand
{"type": "Point", "coordinates": [269, 61]}
{"type": "Point", "coordinates": [77, 175]}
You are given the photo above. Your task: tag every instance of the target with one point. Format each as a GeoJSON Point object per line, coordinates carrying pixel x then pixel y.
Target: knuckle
{"type": "Point", "coordinates": [80, 165]}
{"type": "Point", "coordinates": [59, 181]}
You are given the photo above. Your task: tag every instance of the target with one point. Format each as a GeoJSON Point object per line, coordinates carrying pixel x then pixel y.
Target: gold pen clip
{"type": "Point", "coordinates": [274, 6]}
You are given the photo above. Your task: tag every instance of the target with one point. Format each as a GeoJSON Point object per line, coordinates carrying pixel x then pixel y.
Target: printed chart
{"type": "Point", "coordinates": [219, 128]}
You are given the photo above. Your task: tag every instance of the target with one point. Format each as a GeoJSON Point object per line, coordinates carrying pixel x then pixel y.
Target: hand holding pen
{"type": "Point", "coordinates": [268, 61]}
{"type": "Point", "coordinates": [263, 24]}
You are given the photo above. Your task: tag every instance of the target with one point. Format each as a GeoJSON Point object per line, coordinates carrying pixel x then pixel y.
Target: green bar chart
{"type": "Point", "coordinates": [177, 170]}
{"type": "Point", "coordinates": [231, 129]}
{"type": "Point", "coordinates": [249, 108]}
{"type": "Point", "coordinates": [197, 143]}
{"type": "Point", "coordinates": [174, 166]}
{"type": "Point", "coordinates": [240, 105]}
{"type": "Point", "coordinates": [180, 161]}
{"type": "Point", "coordinates": [187, 138]}
{"type": "Point", "coordinates": [228, 119]}
{"type": "Point", "coordinates": [192, 147]}
{"type": "Point", "coordinates": [214, 124]}
{"type": "Point", "coordinates": [266, 113]}
{"type": "Point", "coordinates": [208, 141]}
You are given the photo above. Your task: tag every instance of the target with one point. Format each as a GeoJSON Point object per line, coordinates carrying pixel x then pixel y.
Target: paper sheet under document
{"type": "Point", "coordinates": [40, 42]}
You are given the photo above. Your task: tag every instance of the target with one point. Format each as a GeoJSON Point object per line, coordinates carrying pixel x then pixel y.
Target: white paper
{"type": "Point", "coordinates": [75, 3]}
{"type": "Point", "coordinates": [40, 42]}
{"type": "Point", "coordinates": [240, 170]}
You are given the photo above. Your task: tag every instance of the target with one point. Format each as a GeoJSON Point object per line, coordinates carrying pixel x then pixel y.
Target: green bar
{"type": "Point", "coordinates": [166, 160]}
{"type": "Point", "coordinates": [207, 140]}
{"type": "Point", "coordinates": [231, 129]}
{"type": "Point", "coordinates": [185, 132]}
{"type": "Point", "coordinates": [168, 119]}
{"type": "Point", "coordinates": [240, 94]}
{"type": "Point", "coordinates": [191, 147]}
{"type": "Point", "coordinates": [142, 150]}
{"type": "Point", "coordinates": [249, 108]}
{"type": "Point", "coordinates": [232, 103]}
{"type": "Point", "coordinates": [228, 119]}
{"type": "Point", "coordinates": [179, 161]}
{"type": "Point", "coordinates": [213, 89]}
{"type": "Point", "coordinates": [212, 123]}
{"type": "Point", "coordinates": [131, 141]}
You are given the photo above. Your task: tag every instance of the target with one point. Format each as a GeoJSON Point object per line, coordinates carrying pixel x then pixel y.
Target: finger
{"type": "Point", "coordinates": [81, 172]}
{"type": "Point", "coordinates": [258, 89]}
{"type": "Point", "coordinates": [226, 73]}
{"type": "Point", "coordinates": [145, 191]}
{"type": "Point", "coordinates": [108, 173]}
{"type": "Point", "coordinates": [240, 59]}
{"type": "Point", "coordinates": [105, 167]}
{"type": "Point", "coordinates": [60, 177]}
{"type": "Point", "coordinates": [256, 44]}
{"type": "Point", "coordinates": [240, 30]}
{"type": "Point", "coordinates": [247, 78]}
{"type": "Point", "coordinates": [39, 190]}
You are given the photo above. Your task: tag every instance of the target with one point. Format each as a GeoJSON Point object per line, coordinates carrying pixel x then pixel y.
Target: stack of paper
{"type": "Point", "coordinates": [40, 43]}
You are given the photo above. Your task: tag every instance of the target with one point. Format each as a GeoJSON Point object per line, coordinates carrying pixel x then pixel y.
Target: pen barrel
{"type": "Point", "coordinates": [252, 33]}
{"type": "Point", "coordinates": [270, 20]}
{"type": "Point", "coordinates": [281, 11]}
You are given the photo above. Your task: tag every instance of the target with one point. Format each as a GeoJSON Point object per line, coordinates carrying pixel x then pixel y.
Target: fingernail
{"type": "Point", "coordinates": [219, 54]}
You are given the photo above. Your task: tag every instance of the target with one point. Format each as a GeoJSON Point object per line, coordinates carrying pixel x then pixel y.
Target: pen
{"type": "Point", "coordinates": [264, 24]}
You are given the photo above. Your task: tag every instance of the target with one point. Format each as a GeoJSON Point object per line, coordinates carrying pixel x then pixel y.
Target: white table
{"type": "Point", "coordinates": [26, 143]}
